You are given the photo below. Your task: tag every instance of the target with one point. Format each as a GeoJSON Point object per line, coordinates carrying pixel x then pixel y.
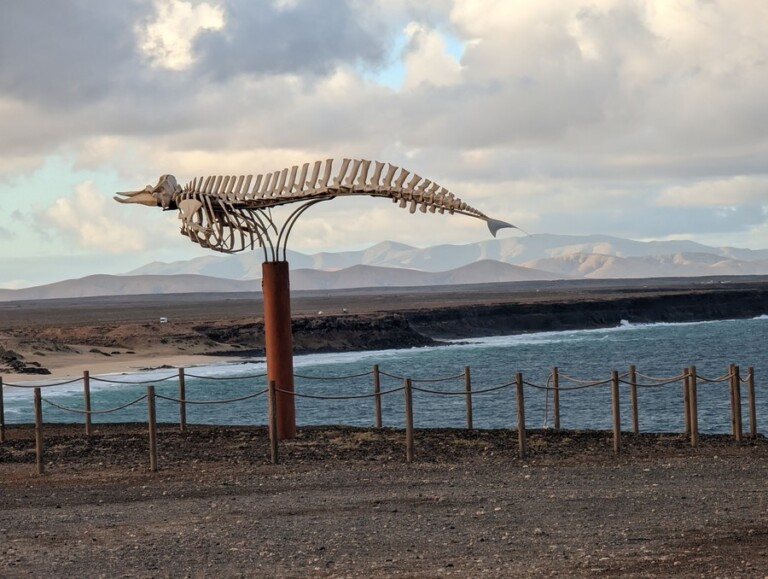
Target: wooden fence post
{"type": "Point", "coordinates": [272, 421]}
{"type": "Point", "coordinates": [556, 397]}
{"type": "Point", "coordinates": [686, 403]}
{"type": "Point", "coordinates": [737, 403]}
{"type": "Point", "coordinates": [633, 398]}
{"type": "Point", "coordinates": [2, 412]}
{"type": "Point", "coordinates": [694, 404]}
{"type": "Point", "coordinates": [39, 432]}
{"type": "Point", "coordinates": [752, 409]}
{"type": "Point", "coordinates": [87, 400]}
{"type": "Point", "coordinates": [152, 426]}
{"type": "Point", "coordinates": [183, 401]}
{"type": "Point", "coordinates": [616, 411]}
{"type": "Point", "coordinates": [408, 420]}
{"type": "Point", "coordinates": [468, 390]}
{"type": "Point", "coordinates": [377, 394]}
{"type": "Point", "coordinates": [522, 443]}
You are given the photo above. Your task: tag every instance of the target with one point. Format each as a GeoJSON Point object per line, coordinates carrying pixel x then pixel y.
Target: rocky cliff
{"type": "Point", "coordinates": [424, 326]}
{"type": "Point", "coordinates": [510, 318]}
{"type": "Point", "coordinates": [344, 333]}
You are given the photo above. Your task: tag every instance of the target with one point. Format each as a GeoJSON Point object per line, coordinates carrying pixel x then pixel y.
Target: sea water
{"type": "Point", "coordinates": [659, 352]}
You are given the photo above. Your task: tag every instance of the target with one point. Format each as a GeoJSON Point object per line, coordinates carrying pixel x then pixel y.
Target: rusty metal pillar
{"type": "Point", "coordinates": [279, 342]}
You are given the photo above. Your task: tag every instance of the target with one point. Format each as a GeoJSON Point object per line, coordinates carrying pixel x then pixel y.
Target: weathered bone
{"type": "Point", "coordinates": [142, 197]}
{"type": "Point", "coordinates": [225, 214]}
{"type": "Point", "coordinates": [163, 194]}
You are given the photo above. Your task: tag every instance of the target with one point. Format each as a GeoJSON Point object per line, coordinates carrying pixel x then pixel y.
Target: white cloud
{"type": "Point", "coordinates": [88, 221]}
{"type": "Point", "coordinates": [284, 4]}
{"type": "Point", "coordinates": [13, 284]}
{"type": "Point", "coordinates": [427, 60]}
{"type": "Point", "coordinates": [733, 191]}
{"type": "Point", "coordinates": [638, 118]}
{"type": "Point", "coordinates": [167, 41]}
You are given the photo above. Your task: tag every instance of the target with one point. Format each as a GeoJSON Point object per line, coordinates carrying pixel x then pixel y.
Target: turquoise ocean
{"type": "Point", "coordinates": [659, 352]}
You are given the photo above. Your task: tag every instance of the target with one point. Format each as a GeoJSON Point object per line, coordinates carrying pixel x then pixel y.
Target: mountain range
{"type": "Point", "coordinates": [595, 256]}
{"type": "Point", "coordinates": [390, 264]}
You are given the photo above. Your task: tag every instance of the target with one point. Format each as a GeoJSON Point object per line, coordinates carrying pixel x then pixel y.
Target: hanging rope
{"type": "Point", "coordinates": [203, 402]}
{"type": "Point", "coordinates": [153, 381]}
{"type": "Point", "coordinates": [349, 397]}
{"type": "Point", "coordinates": [585, 382]}
{"type": "Point", "coordinates": [462, 392]}
{"type": "Point", "coordinates": [79, 411]}
{"type": "Point", "coordinates": [664, 380]}
{"type": "Point", "coordinates": [657, 384]}
{"type": "Point", "coordinates": [251, 376]}
{"type": "Point", "coordinates": [348, 376]}
{"type": "Point", "coordinates": [42, 385]}
{"type": "Point", "coordinates": [444, 379]}
{"type": "Point", "coordinates": [722, 378]}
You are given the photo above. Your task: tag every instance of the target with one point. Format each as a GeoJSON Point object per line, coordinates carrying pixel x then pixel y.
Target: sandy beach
{"type": "Point", "coordinates": [66, 350]}
{"type": "Point", "coordinates": [65, 367]}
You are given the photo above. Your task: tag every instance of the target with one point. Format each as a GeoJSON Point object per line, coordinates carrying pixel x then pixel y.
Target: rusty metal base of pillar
{"type": "Point", "coordinates": [279, 343]}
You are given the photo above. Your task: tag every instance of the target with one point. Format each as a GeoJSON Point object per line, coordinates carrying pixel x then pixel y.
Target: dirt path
{"type": "Point", "coordinates": [344, 503]}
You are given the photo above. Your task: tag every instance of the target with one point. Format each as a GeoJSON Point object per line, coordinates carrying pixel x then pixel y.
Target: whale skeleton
{"type": "Point", "coordinates": [233, 213]}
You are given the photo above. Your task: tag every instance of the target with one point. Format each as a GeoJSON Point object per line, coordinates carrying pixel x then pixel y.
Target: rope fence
{"type": "Point", "coordinates": [347, 397]}
{"type": "Point", "coordinates": [246, 377]}
{"type": "Point", "coordinates": [106, 411]}
{"type": "Point", "coordinates": [662, 380]}
{"type": "Point", "coordinates": [30, 387]}
{"type": "Point", "coordinates": [655, 384]}
{"type": "Point", "coordinates": [347, 377]}
{"type": "Point", "coordinates": [205, 402]}
{"type": "Point", "coordinates": [689, 379]}
{"type": "Point", "coordinates": [133, 382]}
{"type": "Point", "coordinates": [443, 379]}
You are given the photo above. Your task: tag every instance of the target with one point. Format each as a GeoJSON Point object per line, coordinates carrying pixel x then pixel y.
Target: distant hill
{"type": "Point", "coordinates": [389, 264]}
{"type": "Point", "coordinates": [117, 285]}
{"type": "Point", "coordinates": [591, 265]}
{"type": "Point", "coordinates": [371, 276]}
{"type": "Point", "coordinates": [357, 276]}
{"type": "Point", "coordinates": [552, 253]}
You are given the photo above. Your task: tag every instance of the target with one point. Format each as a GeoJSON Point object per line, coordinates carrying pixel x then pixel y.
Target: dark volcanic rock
{"type": "Point", "coordinates": [501, 319]}
{"type": "Point", "coordinates": [423, 326]}
{"type": "Point", "coordinates": [250, 334]}
{"type": "Point", "coordinates": [342, 333]}
{"type": "Point", "coordinates": [348, 333]}
{"type": "Point", "coordinates": [14, 362]}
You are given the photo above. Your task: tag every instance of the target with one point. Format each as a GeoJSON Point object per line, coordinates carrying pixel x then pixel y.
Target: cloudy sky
{"type": "Point", "coordinates": [640, 119]}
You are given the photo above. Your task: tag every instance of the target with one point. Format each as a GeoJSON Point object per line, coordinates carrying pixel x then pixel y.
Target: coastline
{"type": "Point", "coordinates": [67, 367]}
{"type": "Point", "coordinates": [66, 337]}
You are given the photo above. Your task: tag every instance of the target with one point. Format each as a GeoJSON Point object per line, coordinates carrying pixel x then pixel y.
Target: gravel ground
{"type": "Point", "coordinates": [343, 503]}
